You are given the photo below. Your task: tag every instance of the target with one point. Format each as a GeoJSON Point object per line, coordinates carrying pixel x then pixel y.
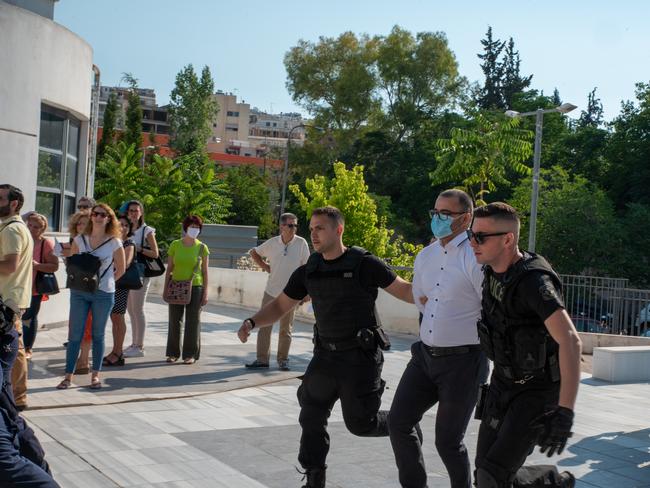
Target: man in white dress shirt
{"type": "Point", "coordinates": [284, 254]}
{"type": "Point", "coordinates": [447, 365]}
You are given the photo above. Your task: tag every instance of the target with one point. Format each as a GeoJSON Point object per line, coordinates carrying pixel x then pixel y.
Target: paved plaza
{"type": "Point", "coordinates": [216, 424]}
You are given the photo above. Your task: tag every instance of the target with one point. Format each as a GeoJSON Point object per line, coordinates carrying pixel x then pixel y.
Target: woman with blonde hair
{"type": "Point", "coordinates": [101, 239]}
{"type": "Point", "coordinates": [44, 261]}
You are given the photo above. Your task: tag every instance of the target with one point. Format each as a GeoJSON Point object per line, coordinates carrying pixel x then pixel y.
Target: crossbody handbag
{"type": "Point", "coordinates": [83, 269]}
{"type": "Point", "coordinates": [152, 266]}
{"type": "Point", "coordinates": [133, 277]}
{"type": "Point", "coordinates": [45, 281]}
{"type": "Point", "coordinates": [180, 292]}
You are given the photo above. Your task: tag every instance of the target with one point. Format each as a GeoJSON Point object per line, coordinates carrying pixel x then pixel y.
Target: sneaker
{"type": "Point", "coordinates": [283, 365]}
{"type": "Point", "coordinates": [133, 352]}
{"type": "Point", "coordinates": [257, 364]}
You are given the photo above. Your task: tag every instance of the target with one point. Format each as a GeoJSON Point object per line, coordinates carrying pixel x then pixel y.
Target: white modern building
{"type": "Point", "coordinates": [46, 84]}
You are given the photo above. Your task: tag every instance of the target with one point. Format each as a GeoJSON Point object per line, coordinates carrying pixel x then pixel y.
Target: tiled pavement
{"type": "Point", "coordinates": [215, 424]}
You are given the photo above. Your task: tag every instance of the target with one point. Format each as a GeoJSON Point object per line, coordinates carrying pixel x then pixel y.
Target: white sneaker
{"type": "Point", "coordinates": [133, 352]}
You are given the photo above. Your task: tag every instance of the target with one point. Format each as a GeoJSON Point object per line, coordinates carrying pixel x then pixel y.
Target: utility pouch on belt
{"type": "Point", "coordinates": [382, 339]}
{"type": "Point", "coordinates": [366, 339]}
{"type": "Point", "coordinates": [480, 403]}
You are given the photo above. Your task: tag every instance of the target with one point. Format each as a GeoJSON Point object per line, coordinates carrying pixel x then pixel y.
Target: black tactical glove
{"type": "Point", "coordinates": [554, 429]}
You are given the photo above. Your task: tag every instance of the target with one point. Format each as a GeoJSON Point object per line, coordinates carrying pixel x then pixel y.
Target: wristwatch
{"type": "Point", "coordinates": [252, 322]}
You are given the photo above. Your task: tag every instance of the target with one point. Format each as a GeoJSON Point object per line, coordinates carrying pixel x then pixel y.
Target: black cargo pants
{"type": "Point", "coordinates": [354, 377]}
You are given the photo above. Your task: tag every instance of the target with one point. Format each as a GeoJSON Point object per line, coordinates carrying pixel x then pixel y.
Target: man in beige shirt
{"type": "Point", "coordinates": [284, 254]}
{"type": "Point", "coordinates": [16, 247]}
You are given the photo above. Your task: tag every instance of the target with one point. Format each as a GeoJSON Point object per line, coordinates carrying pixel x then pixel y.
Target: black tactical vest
{"type": "Point", "coordinates": [342, 306]}
{"type": "Point", "coordinates": [518, 343]}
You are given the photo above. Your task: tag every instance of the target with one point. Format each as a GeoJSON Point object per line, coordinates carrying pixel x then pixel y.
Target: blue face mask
{"type": "Point", "coordinates": [441, 228]}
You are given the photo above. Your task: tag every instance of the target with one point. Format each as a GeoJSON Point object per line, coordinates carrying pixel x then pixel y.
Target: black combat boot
{"type": "Point", "coordinates": [315, 478]}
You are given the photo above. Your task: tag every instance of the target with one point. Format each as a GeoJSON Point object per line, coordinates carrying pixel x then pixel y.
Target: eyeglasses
{"type": "Point", "coordinates": [479, 237]}
{"type": "Point", "coordinates": [291, 226]}
{"type": "Point", "coordinates": [444, 214]}
{"type": "Point", "coordinates": [101, 215]}
{"type": "Point", "coordinates": [83, 207]}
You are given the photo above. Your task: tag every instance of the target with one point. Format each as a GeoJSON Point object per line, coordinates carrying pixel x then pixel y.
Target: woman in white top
{"type": "Point", "coordinates": [144, 237]}
{"type": "Point", "coordinates": [101, 238]}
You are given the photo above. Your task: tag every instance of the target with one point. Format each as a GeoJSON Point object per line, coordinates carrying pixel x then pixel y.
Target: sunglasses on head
{"type": "Point", "coordinates": [479, 237]}
{"type": "Point", "coordinates": [103, 215]}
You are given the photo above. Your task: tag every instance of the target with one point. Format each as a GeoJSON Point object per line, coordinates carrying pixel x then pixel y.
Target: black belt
{"type": "Point", "coordinates": [507, 373]}
{"type": "Point", "coordinates": [449, 351]}
{"type": "Point", "coordinates": [331, 344]}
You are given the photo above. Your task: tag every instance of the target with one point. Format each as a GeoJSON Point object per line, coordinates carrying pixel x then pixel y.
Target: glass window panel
{"type": "Point", "coordinates": [71, 174]}
{"type": "Point", "coordinates": [69, 208]}
{"type": "Point", "coordinates": [73, 138]}
{"type": "Point", "coordinates": [48, 205]}
{"type": "Point", "coordinates": [49, 169]}
{"type": "Point", "coordinates": [51, 131]}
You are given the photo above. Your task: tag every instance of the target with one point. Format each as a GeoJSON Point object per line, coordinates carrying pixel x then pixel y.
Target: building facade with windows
{"type": "Point", "coordinates": [45, 99]}
{"type": "Point", "coordinates": [155, 119]}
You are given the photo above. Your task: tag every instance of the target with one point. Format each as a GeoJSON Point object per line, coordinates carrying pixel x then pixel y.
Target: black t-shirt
{"type": "Point", "coordinates": [535, 293]}
{"type": "Point", "coordinates": [373, 273]}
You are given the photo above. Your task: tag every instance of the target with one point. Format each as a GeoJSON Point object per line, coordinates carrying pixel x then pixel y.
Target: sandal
{"type": "Point", "coordinates": [119, 360]}
{"type": "Point", "coordinates": [189, 361]}
{"type": "Point", "coordinates": [95, 384]}
{"type": "Point", "coordinates": [172, 359]}
{"type": "Point", "coordinates": [64, 385]}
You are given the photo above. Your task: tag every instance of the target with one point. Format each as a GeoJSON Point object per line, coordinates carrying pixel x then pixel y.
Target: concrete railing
{"type": "Point", "coordinates": [245, 289]}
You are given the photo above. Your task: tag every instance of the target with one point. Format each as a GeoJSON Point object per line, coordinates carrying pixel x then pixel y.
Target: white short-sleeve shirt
{"type": "Point", "coordinates": [138, 238]}
{"type": "Point", "coordinates": [283, 259]}
{"type": "Point", "coordinates": [105, 254]}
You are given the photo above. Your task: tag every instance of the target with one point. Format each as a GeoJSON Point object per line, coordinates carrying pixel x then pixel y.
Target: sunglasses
{"type": "Point", "coordinates": [479, 237]}
{"type": "Point", "coordinates": [83, 207]}
{"type": "Point", "coordinates": [291, 226]}
{"type": "Point", "coordinates": [102, 215]}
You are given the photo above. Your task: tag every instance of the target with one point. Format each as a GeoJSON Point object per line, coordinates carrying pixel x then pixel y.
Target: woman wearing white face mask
{"type": "Point", "coordinates": [187, 259]}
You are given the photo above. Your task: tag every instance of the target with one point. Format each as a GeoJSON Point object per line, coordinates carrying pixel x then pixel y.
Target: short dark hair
{"type": "Point", "coordinates": [192, 220]}
{"type": "Point", "coordinates": [333, 213]}
{"type": "Point", "coordinates": [499, 211]}
{"type": "Point", "coordinates": [463, 198]}
{"type": "Point", "coordinates": [15, 194]}
{"type": "Point", "coordinates": [287, 216]}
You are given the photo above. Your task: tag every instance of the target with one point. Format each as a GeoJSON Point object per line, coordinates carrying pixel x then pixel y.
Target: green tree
{"type": "Point", "coordinates": [490, 96]}
{"type": "Point", "coordinates": [191, 110]}
{"type": "Point", "coordinates": [417, 76]}
{"type": "Point", "coordinates": [577, 230]}
{"type": "Point", "coordinates": [512, 83]}
{"type": "Point", "coordinates": [479, 158]}
{"type": "Point", "coordinates": [628, 152]}
{"type": "Point", "coordinates": [632, 260]}
{"type": "Point", "coordinates": [169, 189]}
{"type": "Point", "coordinates": [348, 192]}
{"type": "Point", "coordinates": [133, 125]}
{"type": "Point", "coordinates": [251, 199]}
{"type": "Point", "coordinates": [593, 116]}
{"type": "Point", "coordinates": [108, 125]}
{"type": "Point", "coordinates": [334, 79]}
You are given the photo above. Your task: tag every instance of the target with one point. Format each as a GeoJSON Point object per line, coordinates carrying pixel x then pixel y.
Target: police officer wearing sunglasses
{"type": "Point", "coordinates": [535, 349]}
{"type": "Point", "coordinates": [447, 364]}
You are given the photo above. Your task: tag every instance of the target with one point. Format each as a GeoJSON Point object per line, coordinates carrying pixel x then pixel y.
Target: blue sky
{"type": "Point", "coordinates": [572, 45]}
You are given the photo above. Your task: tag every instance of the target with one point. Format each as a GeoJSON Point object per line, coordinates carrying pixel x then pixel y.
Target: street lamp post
{"type": "Point", "coordinates": [144, 153]}
{"type": "Point", "coordinates": [286, 163]}
{"type": "Point", "coordinates": [537, 157]}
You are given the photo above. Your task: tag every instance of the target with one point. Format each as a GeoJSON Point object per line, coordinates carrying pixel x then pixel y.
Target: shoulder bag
{"type": "Point", "coordinates": [83, 269]}
{"type": "Point", "coordinates": [152, 266]}
{"type": "Point", "coordinates": [133, 277]}
{"type": "Point", "coordinates": [45, 281]}
{"type": "Point", "coordinates": [180, 292]}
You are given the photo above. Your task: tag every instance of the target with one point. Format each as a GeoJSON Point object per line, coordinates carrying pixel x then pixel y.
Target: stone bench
{"type": "Point", "coordinates": [622, 364]}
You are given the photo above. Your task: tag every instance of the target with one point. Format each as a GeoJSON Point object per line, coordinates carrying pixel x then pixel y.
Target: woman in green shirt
{"type": "Point", "coordinates": [187, 259]}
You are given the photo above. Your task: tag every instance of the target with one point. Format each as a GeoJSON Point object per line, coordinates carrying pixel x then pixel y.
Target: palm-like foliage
{"type": "Point", "coordinates": [480, 158]}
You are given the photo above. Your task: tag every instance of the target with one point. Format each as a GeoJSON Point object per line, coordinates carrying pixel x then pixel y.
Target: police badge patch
{"type": "Point", "coordinates": [547, 290]}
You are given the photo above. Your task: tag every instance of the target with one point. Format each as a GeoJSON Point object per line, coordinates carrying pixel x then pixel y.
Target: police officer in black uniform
{"type": "Point", "coordinates": [535, 349]}
{"type": "Point", "coordinates": [342, 283]}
